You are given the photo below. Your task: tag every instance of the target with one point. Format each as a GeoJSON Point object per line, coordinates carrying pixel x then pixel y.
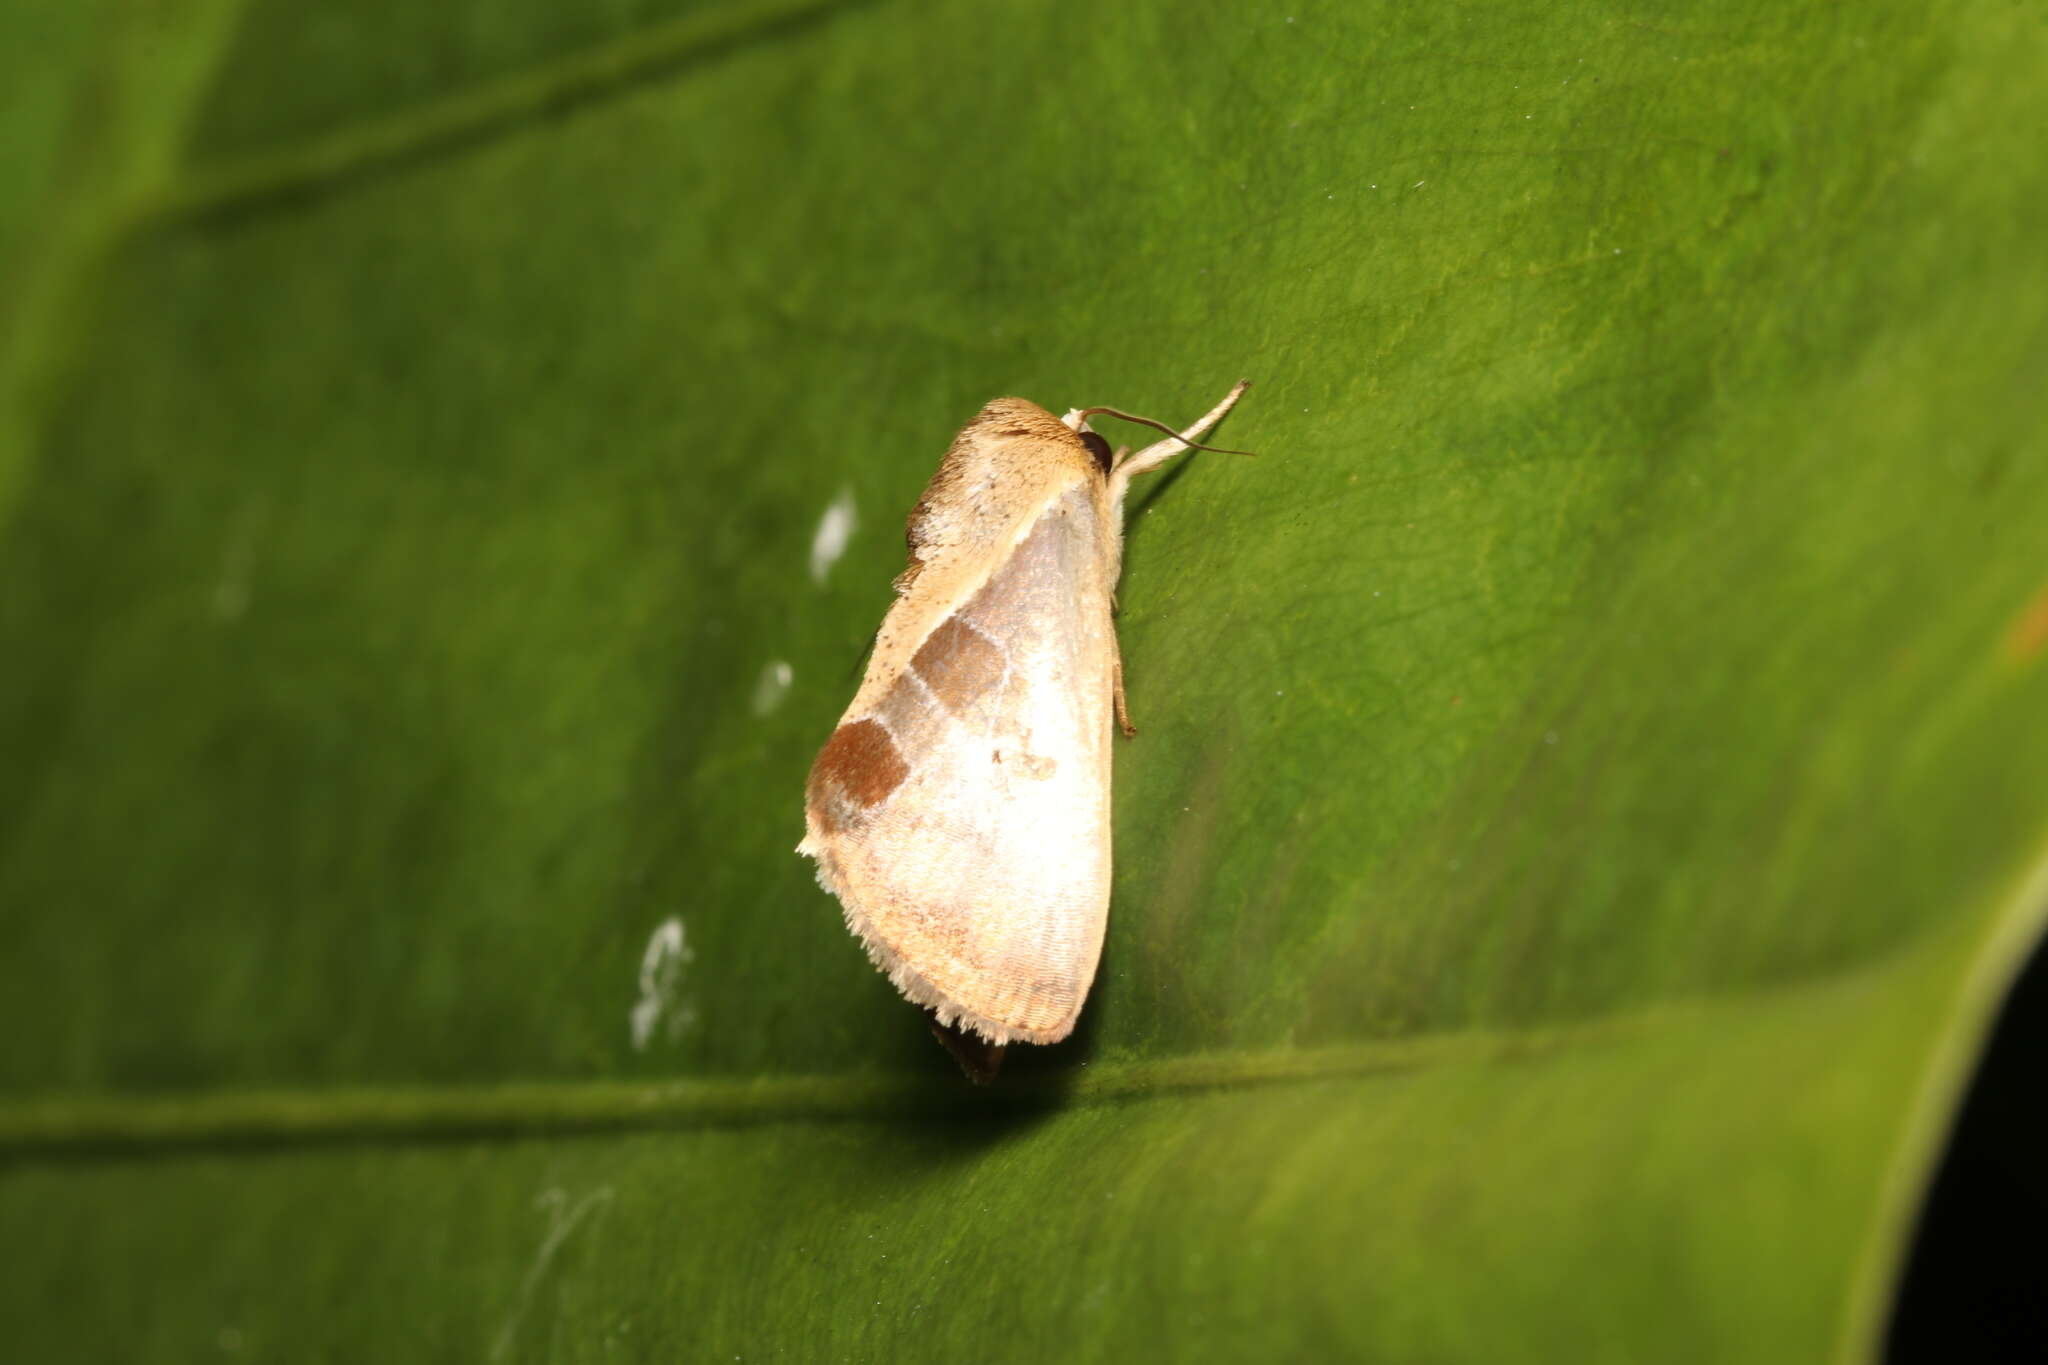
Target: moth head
{"type": "Point", "coordinates": [1105, 459]}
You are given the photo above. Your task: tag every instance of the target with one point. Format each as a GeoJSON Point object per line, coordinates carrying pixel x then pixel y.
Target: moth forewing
{"type": "Point", "coordinates": [960, 810]}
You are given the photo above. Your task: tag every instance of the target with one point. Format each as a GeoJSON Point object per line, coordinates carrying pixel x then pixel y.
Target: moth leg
{"type": "Point", "coordinates": [1123, 712]}
{"type": "Point", "coordinates": [1159, 452]}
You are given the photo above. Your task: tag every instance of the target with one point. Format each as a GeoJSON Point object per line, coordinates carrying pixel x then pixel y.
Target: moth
{"type": "Point", "coordinates": [960, 811]}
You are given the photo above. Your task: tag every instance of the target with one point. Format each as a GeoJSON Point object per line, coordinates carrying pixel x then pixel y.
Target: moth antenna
{"type": "Point", "coordinates": [1086, 413]}
{"type": "Point", "coordinates": [1159, 452]}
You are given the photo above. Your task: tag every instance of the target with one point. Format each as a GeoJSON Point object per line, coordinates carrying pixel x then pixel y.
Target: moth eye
{"type": "Point", "coordinates": [1097, 447]}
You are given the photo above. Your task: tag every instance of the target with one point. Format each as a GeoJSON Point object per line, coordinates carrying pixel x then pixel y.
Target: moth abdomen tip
{"type": "Point", "coordinates": [979, 1058]}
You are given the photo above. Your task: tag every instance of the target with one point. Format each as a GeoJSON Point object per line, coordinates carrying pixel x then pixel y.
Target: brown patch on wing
{"type": "Point", "coordinates": [911, 716]}
{"type": "Point", "coordinates": [858, 767]}
{"type": "Point", "coordinates": [959, 664]}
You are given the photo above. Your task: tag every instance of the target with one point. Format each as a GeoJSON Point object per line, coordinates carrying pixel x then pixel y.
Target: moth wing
{"type": "Point", "coordinates": [962, 815]}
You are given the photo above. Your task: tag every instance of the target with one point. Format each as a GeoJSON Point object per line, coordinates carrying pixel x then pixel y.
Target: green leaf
{"type": "Point", "coordinates": [1588, 803]}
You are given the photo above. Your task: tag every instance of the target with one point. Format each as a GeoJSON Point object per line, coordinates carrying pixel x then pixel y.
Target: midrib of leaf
{"type": "Point", "coordinates": [132, 1125]}
{"type": "Point", "coordinates": [479, 112]}
{"type": "Point", "coordinates": [61, 1128]}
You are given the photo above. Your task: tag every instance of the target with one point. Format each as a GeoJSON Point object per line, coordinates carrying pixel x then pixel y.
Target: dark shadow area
{"type": "Point", "coordinates": [1142, 496]}
{"type": "Point", "coordinates": [1136, 507]}
{"type": "Point", "coordinates": [960, 1118]}
{"type": "Point", "coordinates": [1976, 1280]}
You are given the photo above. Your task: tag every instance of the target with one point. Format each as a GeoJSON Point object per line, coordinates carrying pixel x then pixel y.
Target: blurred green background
{"type": "Point", "coordinates": [1590, 792]}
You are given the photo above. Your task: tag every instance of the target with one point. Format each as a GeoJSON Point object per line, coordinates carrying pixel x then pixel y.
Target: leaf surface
{"type": "Point", "coordinates": [1589, 794]}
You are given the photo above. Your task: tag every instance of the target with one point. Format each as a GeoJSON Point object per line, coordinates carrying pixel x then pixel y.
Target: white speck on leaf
{"type": "Point", "coordinates": [772, 686]}
{"type": "Point", "coordinates": [662, 965]}
{"type": "Point", "coordinates": [230, 597]}
{"type": "Point", "coordinates": [835, 531]}
{"type": "Point", "coordinates": [562, 1220]}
